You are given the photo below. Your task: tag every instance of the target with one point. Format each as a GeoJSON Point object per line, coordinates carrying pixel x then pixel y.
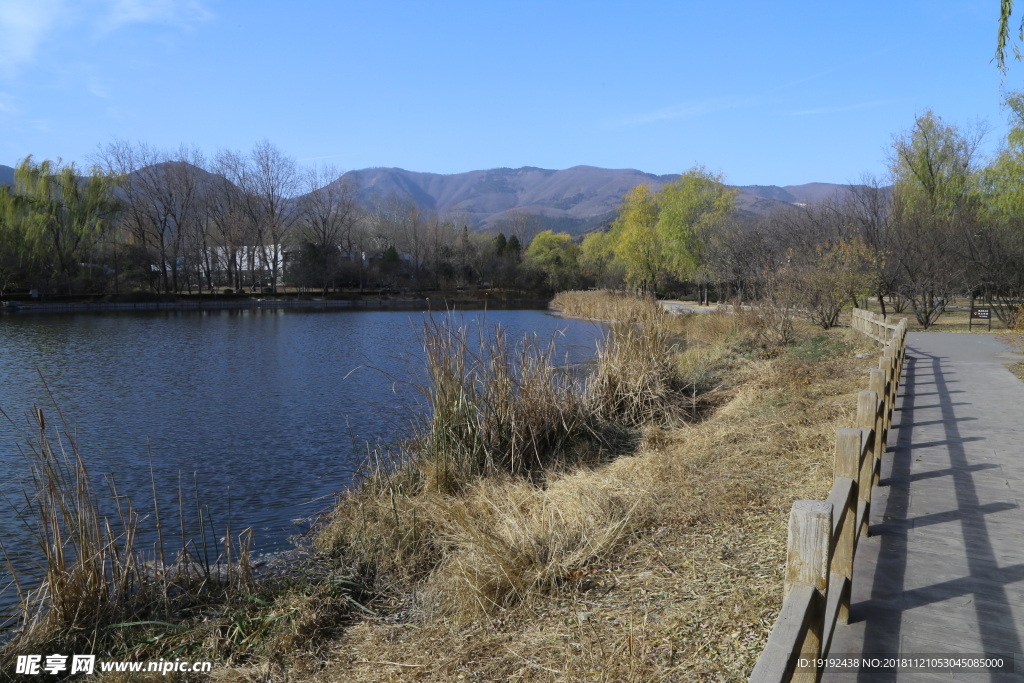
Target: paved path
{"type": "Point", "coordinates": [943, 571]}
{"type": "Point", "coordinates": [680, 307]}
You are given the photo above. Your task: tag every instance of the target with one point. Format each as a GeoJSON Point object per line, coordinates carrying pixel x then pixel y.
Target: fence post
{"type": "Point", "coordinates": [867, 413]}
{"type": "Point", "coordinates": [847, 464]}
{"type": "Point", "coordinates": [887, 364]}
{"type": "Point", "coordinates": [810, 533]}
{"type": "Point", "coordinates": [880, 383]}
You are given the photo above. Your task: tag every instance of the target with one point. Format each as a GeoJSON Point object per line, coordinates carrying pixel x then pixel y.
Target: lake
{"type": "Point", "coordinates": [270, 411]}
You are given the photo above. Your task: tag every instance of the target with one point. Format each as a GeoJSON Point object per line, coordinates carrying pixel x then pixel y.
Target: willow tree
{"type": "Point", "coordinates": [16, 253]}
{"type": "Point", "coordinates": [935, 203]}
{"type": "Point", "coordinates": [598, 261]}
{"type": "Point", "coordinates": [689, 210]}
{"type": "Point", "coordinates": [59, 215]}
{"type": "Point", "coordinates": [557, 257]}
{"type": "Point", "coordinates": [1003, 35]}
{"type": "Point", "coordinates": [996, 248]}
{"type": "Point", "coordinates": [637, 242]}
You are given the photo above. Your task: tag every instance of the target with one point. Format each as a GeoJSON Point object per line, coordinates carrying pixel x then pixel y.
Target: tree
{"type": "Point", "coordinates": [58, 213]}
{"type": "Point", "coordinates": [935, 205]}
{"type": "Point", "coordinates": [519, 224]}
{"type": "Point", "coordinates": [996, 248]}
{"type": "Point", "coordinates": [637, 240]}
{"type": "Point", "coordinates": [230, 230]}
{"type": "Point", "coordinates": [163, 198]}
{"type": "Point", "coordinates": [557, 257]}
{"type": "Point", "coordinates": [17, 257]}
{"type": "Point", "coordinates": [689, 210]}
{"type": "Point", "coordinates": [1003, 34]}
{"type": "Point", "coordinates": [270, 181]}
{"type": "Point", "coordinates": [826, 277]}
{"type": "Point", "coordinates": [326, 215]}
{"type": "Point", "coordinates": [597, 259]}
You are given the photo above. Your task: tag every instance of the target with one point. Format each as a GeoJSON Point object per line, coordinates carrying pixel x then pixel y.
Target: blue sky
{"type": "Point", "coordinates": [767, 93]}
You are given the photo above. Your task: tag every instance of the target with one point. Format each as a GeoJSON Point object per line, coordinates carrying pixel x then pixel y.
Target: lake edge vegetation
{"type": "Point", "coordinates": [522, 521]}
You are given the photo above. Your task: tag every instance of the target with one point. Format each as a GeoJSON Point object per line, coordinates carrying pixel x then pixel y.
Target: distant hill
{"type": "Point", "coordinates": [575, 200]}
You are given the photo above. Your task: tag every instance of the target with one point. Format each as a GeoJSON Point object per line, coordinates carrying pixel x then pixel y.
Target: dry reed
{"type": "Point", "coordinates": [485, 547]}
{"type": "Point", "coordinates": [495, 407]}
{"type": "Point", "coordinates": [607, 305]}
{"type": "Point", "coordinates": [662, 566]}
{"type": "Point", "coordinates": [83, 582]}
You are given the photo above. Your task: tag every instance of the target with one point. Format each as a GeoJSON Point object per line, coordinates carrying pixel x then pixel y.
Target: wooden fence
{"type": "Point", "coordinates": [823, 535]}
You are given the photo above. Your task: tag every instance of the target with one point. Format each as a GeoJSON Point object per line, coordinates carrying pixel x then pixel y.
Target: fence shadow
{"type": "Point", "coordinates": [884, 613]}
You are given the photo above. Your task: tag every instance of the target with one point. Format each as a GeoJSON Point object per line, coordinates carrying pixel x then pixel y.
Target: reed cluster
{"type": "Point", "coordinates": [507, 493]}
{"type": "Point", "coordinates": [607, 305]}
{"type": "Point", "coordinates": [83, 580]}
{"type": "Point", "coordinates": [496, 407]}
{"type": "Point", "coordinates": [465, 508]}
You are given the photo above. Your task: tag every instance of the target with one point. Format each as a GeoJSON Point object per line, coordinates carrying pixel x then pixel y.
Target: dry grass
{"type": "Point", "coordinates": [607, 305]}
{"type": "Point", "coordinates": [88, 584]}
{"type": "Point", "coordinates": [496, 407]}
{"type": "Point", "coordinates": [663, 564]}
{"type": "Point", "coordinates": [1014, 336]}
{"type": "Point", "coordinates": [638, 380]}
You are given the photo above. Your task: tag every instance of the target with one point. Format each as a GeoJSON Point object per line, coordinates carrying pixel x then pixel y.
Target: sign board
{"type": "Point", "coordinates": [979, 314]}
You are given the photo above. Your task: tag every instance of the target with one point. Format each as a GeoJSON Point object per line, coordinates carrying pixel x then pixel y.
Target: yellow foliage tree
{"type": "Point", "coordinates": [637, 241]}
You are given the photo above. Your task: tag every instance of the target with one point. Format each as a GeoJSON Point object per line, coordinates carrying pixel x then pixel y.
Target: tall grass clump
{"type": "Point", "coordinates": [495, 407]}
{"type": "Point", "coordinates": [607, 305]}
{"type": "Point", "coordinates": [83, 580]}
{"type": "Point", "coordinates": [492, 409]}
{"type": "Point", "coordinates": [637, 379]}
{"type": "Point", "coordinates": [466, 503]}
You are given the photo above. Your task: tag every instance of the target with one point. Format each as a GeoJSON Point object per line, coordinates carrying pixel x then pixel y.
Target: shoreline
{"type": "Point", "coordinates": [360, 304]}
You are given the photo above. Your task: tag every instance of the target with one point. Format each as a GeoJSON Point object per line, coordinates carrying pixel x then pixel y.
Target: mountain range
{"type": "Point", "coordinates": [574, 200]}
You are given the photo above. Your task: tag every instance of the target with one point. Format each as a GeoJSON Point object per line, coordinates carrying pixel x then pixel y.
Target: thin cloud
{"type": "Point", "coordinates": [845, 107]}
{"type": "Point", "coordinates": [26, 25]}
{"type": "Point", "coordinates": [685, 110]}
{"type": "Point", "coordinates": [99, 89]}
{"type": "Point", "coordinates": [834, 69]}
{"type": "Point", "coordinates": [23, 26]}
{"type": "Point", "coordinates": [169, 12]}
{"type": "Point", "coordinates": [7, 104]}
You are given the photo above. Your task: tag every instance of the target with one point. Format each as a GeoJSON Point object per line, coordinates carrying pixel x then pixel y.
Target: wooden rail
{"type": "Point", "coordinates": [823, 535]}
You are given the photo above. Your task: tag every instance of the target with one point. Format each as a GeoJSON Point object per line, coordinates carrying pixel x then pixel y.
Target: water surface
{"type": "Point", "coordinates": [275, 405]}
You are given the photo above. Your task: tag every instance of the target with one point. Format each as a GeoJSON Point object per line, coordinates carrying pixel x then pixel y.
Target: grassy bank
{"type": "Point", "coordinates": [537, 525]}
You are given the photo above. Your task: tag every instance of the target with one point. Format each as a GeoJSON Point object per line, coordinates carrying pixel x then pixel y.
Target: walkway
{"type": "Point", "coordinates": [943, 571]}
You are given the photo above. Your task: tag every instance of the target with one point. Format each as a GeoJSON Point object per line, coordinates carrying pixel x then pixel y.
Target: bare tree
{"type": "Point", "coordinates": [162, 194]}
{"type": "Point", "coordinates": [230, 230]}
{"type": "Point", "coordinates": [326, 216]}
{"type": "Point", "coordinates": [268, 180]}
